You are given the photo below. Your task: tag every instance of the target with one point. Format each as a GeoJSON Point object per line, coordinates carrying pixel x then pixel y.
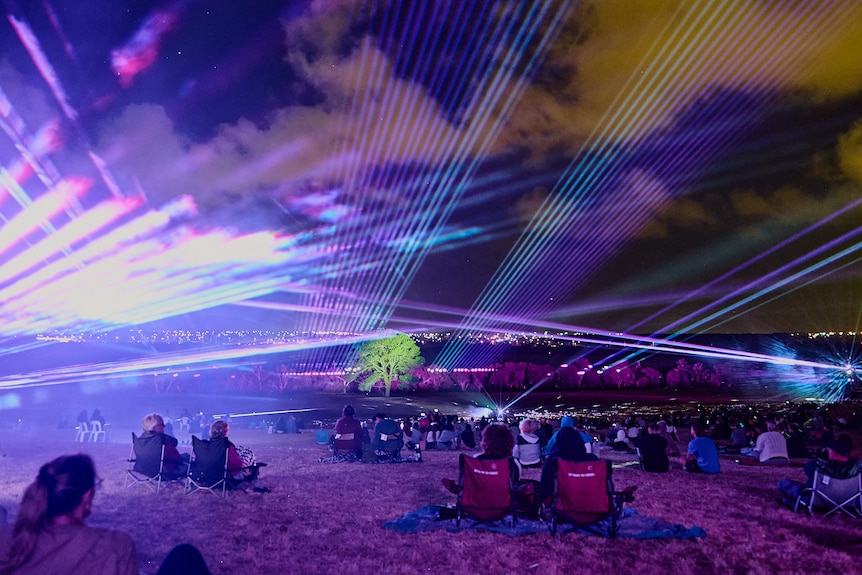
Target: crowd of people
{"type": "Point", "coordinates": [50, 534]}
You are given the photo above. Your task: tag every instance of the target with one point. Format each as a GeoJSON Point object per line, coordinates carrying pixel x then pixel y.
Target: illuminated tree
{"type": "Point", "coordinates": [385, 360]}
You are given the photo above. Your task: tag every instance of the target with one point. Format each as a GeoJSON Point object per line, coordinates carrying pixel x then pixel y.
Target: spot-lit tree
{"type": "Point", "coordinates": [386, 359]}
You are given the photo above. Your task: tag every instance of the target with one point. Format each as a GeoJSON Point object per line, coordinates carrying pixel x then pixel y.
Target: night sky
{"type": "Point", "coordinates": [647, 167]}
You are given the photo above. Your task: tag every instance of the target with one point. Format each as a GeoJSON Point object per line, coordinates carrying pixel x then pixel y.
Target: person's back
{"type": "Point", "coordinates": [528, 449]}
{"type": "Point", "coordinates": [348, 432]}
{"type": "Point", "coordinates": [49, 536]}
{"type": "Point", "coordinates": [568, 446]}
{"type": "Point", "coordinates": [387, 434]}
{"type": "Point", "coordinates": [771, 446]}
{"type": "Point", "coordinates": [446, 439]}
{"type": "Point", "coordinates": [738, 438]}
{"type": "Point", "coordinates": [702, 453]}
{"type": "Point", "coordinates": [81, 549]}
{"type": "Point", "coordinates": [653, 451]}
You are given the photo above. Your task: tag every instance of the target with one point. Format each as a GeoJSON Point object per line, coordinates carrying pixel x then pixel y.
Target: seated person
{"type": "Point", "coordinates": [415, 436]}
{"type": "Point", "coordinates": [497, 442]}
{"type": "Point", "coordinates": [468, 438]}
{"type": "Point", "coordinates": [702, 456]}
{"type": "Point", "coordinates": [668, 432]}
{"type": "Point", "coordinates": [348, 433]}
{"type": "Point", "coordinates": [528, 449]}
{"type": "Point", "coordinates": [432, 435]}
{"type": "Point", "coordinates": [240, 460]}
{"type": "Point", "coordinates": [722, 430]}
{"type": "Point", "coordinates": [446, 439]}
{"type": "Point", "coordinates": [175, 465]}
{"type": "Point", "coordinates": [770, 448]}
{"type": "Point", "coordinates": [569, 446]}
{"type": "Point", "coordinates": [50, 536]}
{"type": "Point", "coordinates": [653, 450]}
{"type": "Point", "coordinates": [738, 437]}
{"type": "Point", "coordinates": [838, 464]}
{"type": "Point", "coordinates": [797, 442]}
{"type": "Point", "coordinates": [388, 439]}
{"type": "Point", "coordinates": [566, 421]}
{"type": "Point", "coordinates": [97, 416]}
{"type": "Point", "coordinates": [590, 443]}
{"type": "Point", "coordinates": [633, 434]}
{"type": "Point", "coordinates": [621, 441]}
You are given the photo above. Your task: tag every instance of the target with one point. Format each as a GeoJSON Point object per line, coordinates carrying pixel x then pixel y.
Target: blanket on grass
{"type": "Point", "coordinates": [350, 459]}
{"type": "Point", "coordinates": [632, 525]}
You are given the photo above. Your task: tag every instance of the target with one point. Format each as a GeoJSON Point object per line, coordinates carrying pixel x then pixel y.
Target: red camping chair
{"type": "Point", "coordinates": [584, 495]}
{"type": "Point", "coordinates": [486, 489]}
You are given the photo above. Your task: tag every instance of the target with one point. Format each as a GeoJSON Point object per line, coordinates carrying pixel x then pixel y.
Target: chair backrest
{"type": "Point", "coordinates": [347, 441]}
{"type": "Point", "coordinates": [486, 487]}
{"type": "Point", "coordinates": [210, 460]}
{"type": "Point", "coordinates": [582, 490]}
{"type": "Point", "coordinates": [149, 451]}
{"type": "Point", "coordinates": [833, 494]}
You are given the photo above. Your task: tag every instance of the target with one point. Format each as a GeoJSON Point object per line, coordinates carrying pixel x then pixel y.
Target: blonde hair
{"type": "Point", "coordinates": [219, 429]}
{"type": "Point", "coordinates": [151, 421]}
{"type": "Point", "coordinates": [528, 425]}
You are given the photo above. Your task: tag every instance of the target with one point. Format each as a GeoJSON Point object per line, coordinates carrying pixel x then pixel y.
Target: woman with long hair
{"type": "Point", "coordinates": [49, 535]}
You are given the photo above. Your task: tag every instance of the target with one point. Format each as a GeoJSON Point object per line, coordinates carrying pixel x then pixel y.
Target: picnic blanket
{"type": "Point", "coordinates": [339, 458]}
{"type": "Point", "coordinates": [632, 525]}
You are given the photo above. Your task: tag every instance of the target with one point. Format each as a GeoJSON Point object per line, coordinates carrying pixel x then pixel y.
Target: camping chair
{"type": "Point", "coordinates": [344, 447]}
{"type": "Point", "coordinates": [584, 495]}
{"type": "Point", "coordinates": [208, 468]}
{"type": "Point", "coordinates": [486, 489]}
{"type": "Point", "coordinates": [83, 432]}
{"type": "Point", "coordinates": [832, 495]}
{"type": "Point", "coordinates": [146, 462]}
{"type": "Point", "coordinates": [98, 432]}
{"type": "Point", "coordinates": [389, 447]}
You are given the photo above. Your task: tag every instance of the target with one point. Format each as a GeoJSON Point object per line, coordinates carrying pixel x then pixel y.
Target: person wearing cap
{"type": "Point", "coordinates": [838, 464]}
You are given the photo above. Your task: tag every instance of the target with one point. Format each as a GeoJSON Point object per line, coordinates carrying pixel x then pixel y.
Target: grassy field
{"type": "Point", "coordinates": [325, 518]}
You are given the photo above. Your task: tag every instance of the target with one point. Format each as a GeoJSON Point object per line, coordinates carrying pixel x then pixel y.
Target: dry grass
{"type": "Point", "coordinates": [324, 518]}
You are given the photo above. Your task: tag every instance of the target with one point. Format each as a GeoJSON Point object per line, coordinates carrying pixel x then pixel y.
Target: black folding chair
{"type": "Point", "coordinates": [208, 468]}
{"type": "Point", "coordinates": [146, 462]}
